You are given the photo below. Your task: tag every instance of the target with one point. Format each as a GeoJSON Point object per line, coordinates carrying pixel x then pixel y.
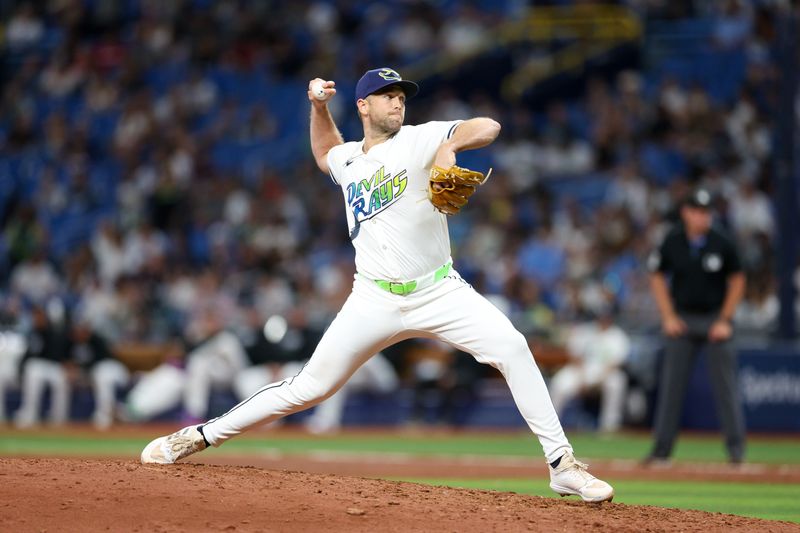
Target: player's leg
{"type": "Point", "coordinates": [60, 393]}
{"type": "Point", "coordinates": [358, 331]}
{"type": "Point", "coordinates": [458, 315]}
{"type": "Point", "coordinates": [155, 392]}
{"type": "Point", "coordinates": [327, 416]}
{"type": "Point", "coordinates": [34, 379]}
{"type": "Point", "coordinates": [10, 353]}
{"type": "Point", "coordinates": [612, 402]}
{"type": "Point", "coordinates": [365, 325]}
{"type": "Point", "coordinates": [564, 387]}
{"type": "Point", "coordinates": [107, 376]}
{"type": "Point", "coordinates": [676, 367]}
{"type": "Point", "coordinates": [4, 380]}
{"type": "Point", "coordinates": [722, 365]}
{"type": "Point", "coordinates": [376, 374]}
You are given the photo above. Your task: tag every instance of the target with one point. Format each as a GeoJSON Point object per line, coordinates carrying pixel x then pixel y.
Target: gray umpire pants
{"type": "Point", "coordinates": [680, 354]}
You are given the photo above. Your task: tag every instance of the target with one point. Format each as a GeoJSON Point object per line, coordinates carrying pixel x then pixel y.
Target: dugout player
{"type": "Point", "coordinates": [697, 282]}
{"type": "Point", "coordinates": [405, 284]}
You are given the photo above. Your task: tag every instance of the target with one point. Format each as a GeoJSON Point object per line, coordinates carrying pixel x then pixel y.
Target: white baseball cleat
{"type": "Point", "coordinates": [571, 477]}
{"type": "Point", "coordinates": [171, 448]}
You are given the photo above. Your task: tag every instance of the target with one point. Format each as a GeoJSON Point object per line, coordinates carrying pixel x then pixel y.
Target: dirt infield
{"type": "Point", "coordinates": [123, 495]}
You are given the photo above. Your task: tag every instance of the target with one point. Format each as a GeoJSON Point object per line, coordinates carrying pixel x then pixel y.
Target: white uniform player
{"type": "Point", "coordinates": [598, 351]}
{"type": "Point", "coordinates": [405, 286]}
{"type": "Point", "coordinates": [12, 349]}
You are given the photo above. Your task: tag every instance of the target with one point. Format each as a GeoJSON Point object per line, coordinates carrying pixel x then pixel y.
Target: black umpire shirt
{"type": "Point", "coordinates": [698, 271]}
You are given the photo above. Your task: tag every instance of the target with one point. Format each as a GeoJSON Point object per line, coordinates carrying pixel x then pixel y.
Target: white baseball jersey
{"type": "Point", "coordinates": [396, 232]}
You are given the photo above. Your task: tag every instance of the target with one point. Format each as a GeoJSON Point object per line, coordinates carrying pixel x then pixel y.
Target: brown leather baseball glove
{"type": "Point", "coordinates": [449, 189]}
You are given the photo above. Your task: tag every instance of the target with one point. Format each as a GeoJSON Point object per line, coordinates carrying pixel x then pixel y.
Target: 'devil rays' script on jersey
{"type": "Point", "coordinates": [369, 197]}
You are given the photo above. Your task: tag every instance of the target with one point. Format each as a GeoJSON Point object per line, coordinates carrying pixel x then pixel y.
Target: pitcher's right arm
{"type": "Point", "coordinates": [324, 133]}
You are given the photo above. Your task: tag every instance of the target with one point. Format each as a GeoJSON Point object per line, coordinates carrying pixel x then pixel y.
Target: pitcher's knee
{"type": "Point", "coordinates": [514, 346]}
{"type": "Point", "coordinates": [509, 351]}
{"type": "Point", "coordinates": [310, 390]}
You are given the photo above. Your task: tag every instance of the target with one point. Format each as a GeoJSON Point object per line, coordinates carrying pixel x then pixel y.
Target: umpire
{"type": "Point", "coordinates": [697, 282]}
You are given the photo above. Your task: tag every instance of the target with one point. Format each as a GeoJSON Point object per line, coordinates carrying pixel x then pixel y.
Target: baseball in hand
{"type": "Point", "coordinates": [318, 90]}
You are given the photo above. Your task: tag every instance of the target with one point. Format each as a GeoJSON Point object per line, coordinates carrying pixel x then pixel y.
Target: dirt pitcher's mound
{"type": "Point", "coordinates": [101, 495]}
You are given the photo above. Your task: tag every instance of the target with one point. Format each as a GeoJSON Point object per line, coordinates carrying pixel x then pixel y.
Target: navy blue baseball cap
{"type": "Point", "coordinates": [376, 79]}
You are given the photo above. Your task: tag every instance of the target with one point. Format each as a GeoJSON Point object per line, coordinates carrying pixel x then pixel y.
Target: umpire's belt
{"type": "Point", "coordinates": [404, 288]}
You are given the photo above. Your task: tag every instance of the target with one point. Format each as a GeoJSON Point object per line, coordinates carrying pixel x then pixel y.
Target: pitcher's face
{"type": "Point", "coordinates": [385, 110]}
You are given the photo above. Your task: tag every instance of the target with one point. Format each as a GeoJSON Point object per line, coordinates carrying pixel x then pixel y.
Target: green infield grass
{"type": "Point", "coordinates": [587, 446]}
{"type": "Point", "coordinates": [757, 500]}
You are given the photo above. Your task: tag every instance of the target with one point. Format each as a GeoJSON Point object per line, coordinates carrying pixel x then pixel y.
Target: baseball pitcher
{"type": "Point", "coordinates": [399, 184]}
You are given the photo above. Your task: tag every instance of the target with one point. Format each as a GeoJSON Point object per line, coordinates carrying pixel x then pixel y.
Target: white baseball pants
{"type": "Point", "coordinates": [37, 374]}
{"type": "Point", "coordinates": [107, 376]}
{"type": "Point", "coordinates": [372, 319]}
{"type": "Point", "coordinates": [12, 348]}
{"type": "Point", "coordinates": [376, 375]}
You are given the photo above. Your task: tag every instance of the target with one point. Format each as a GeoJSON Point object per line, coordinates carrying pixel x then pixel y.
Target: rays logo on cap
{"type": "Point", "coordinates": [389, 75]}
{"type": "Point", "coordinates": [376, 79]}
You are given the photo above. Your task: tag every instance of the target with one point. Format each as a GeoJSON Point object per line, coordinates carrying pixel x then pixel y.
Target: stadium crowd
{"type": "Point", "coordinates": [120, 207]}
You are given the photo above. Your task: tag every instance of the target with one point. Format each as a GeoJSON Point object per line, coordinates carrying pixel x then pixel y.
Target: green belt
{"type": "Point", "coordinates": [404, 288]}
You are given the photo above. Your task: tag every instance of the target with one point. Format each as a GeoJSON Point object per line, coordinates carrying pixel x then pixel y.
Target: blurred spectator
{"type": "Point", "coordinates": [25, 28]}
{"type": "Point", "coordinates": [109, 254]}
{"type": "Point", "coordinates": [542, 257]}
{"type": "Point", "coordinates": [598, 352]}
{"type": "Point", "coordinates": [413, 35]}
{"type": "Point", "coordinates": [527, 307]}
{"type": "Point", "coordinates": [24, 235]}
{"type": "Point", "coordinates": [145, 249]}
{"type": "Point", "coordinates": [35, 279]}
{"type": "Point", "coordinates": [733, 24]}
{"type": "Point", "coordinates": [101, 94]}
{"type": "Point", "coordinates": [758, 312]}
{"type": "Point", "coordinates": [92, 361]}
{"type": "Point", "coordinates": [561, 151]}
{"type": "Point", "coordinates": [44, 365]}
{"type": "Point", "coordinates": [630, 191]}
{"type": "Point", "coordinates": [576, 234]}
{"type": "Point", "coordinates": [107, 53]}
{"type": "Point", "coordinates": [750, 212]}
{"type": "Point", "coordinates": [63, 75]}
{"type": "Point", "coordinates": [464, 32]}
{"type": "Point", "coordinates": [135, 125]}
